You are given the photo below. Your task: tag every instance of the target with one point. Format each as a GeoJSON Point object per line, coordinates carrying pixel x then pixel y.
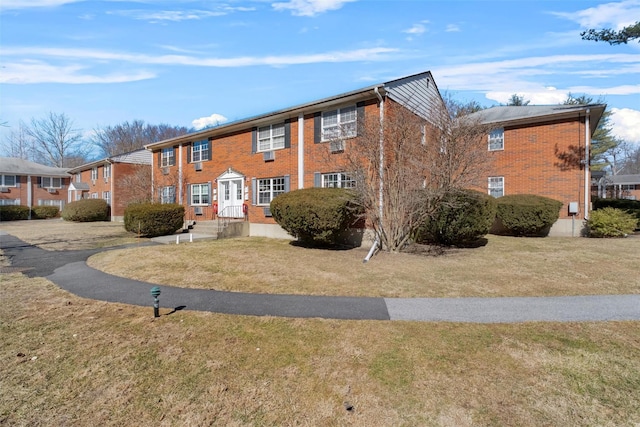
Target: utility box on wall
{"type": "Point", "coordinates": [573, 208]}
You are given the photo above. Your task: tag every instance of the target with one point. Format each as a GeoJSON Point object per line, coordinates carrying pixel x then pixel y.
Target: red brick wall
{"type": "Point", "coordinates": [37, 193]}
{"type": "Point", "coordinates": [544, 160]}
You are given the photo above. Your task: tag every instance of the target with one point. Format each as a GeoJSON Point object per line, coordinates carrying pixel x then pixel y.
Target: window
{"type": "Point", "coordinates": [78, 177]}
{"type": "Point", "coordinates": [271, 137]}
{"type": "Point", "coordinates": [9, 202]}
{"type": "Point", "coordinates": [200, 194]}
{"type": "Point", "coordinates": [338, 180]}
{"type": "Point", "coordinates": [94, 195]}
{"type": "Point", "coordinates": [106, 172]}
{"type": "Point", "coordinates": [339, 123]}
{"type": "Point", "coordinates": [94, 174]}
{"type": "Point", "coordinates": [166, 157]}
{"type": "Point", "coordinates": [270, 188]}
{"type": "Point", "coordinates": [496, 139]}
{"type": "Point", "coordinates": [168, 194]}
{"type": "Point", "coordinates": [48, 182]}
{"type": "Point", "coordinates": [496, 186]}
{"type": "Point", "coordinates": [106, 196]}
{"type": "Point", "coordinates": [199, 151]}
{"type": "Point", "coordinates": [8, 180]}
{"type": "Point", "coordinates": [58, 203]}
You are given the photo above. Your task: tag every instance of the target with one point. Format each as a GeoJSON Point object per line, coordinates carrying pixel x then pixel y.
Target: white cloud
{"type": "Point", "coordinates": [614, 14]}
{"type": "Point", "coordinates": [309, 7]}
{"type": "Point", "coordinates": [452, 28]}
{"type": "Point", "coordinates": [24, 4]}
{"type": "Point", "coordinates": [212, 120]}
{"type": "Point", "coordinates": [167, 15]}
{"type": "Point", "coordinates": [625, 124]}
{"type": "Point", "coordinates": [30, 72]}
{"type": "Point", "coordinates": [544, 96]}
{"type": "Point", "coordinates": [417, 29]}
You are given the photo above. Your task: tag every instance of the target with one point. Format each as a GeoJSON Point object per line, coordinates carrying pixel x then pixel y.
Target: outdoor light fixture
{"type": "Point", "coordinates": [155, 293]}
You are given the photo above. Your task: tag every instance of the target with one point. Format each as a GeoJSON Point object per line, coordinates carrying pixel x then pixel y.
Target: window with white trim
{"type": "Point", "coordinates": [199, 194]}
{"type": "Point", "coordinates": [496, 186]}
{"type": "Point", "coordinates": [78, 177]}
{"type": "Point", "coordinates": [106, 172]}
{"type": "Point", "coordinates": [340, 123]}
{"type": "Point", "coordinates": [94, 195]}
{"type": "Point", "coordinates": [94, 174]}
{"type": "Point", "coordinates": [9, 202]}
{"type": "Point", "coordinates": [168, 194]}
{"type": "Point", "coordinates": [8, 180]}
{"type": "Point", "coordinates": [338, 180]}
{"type": "Point", "coordinates": [200, 151]}
{"type": "Point", "coordinates": [166, 157]}
{"type": "Point", "coordinates": [106, 196]}
{"type": "Point", "coordinates": [496, 139]}
{"type": "Point", "coordinates": [49, 182]}
{"type": "Point", "coordinates": [271, 137]}
{"type": "Point", "coordinates": [58, 203]}
{"type": "Point", "coordinates": [269, 188]}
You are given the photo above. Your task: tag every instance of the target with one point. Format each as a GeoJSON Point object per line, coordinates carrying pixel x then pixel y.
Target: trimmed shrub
{"type": "Point", "coordinates": [316, 215]}
{"type": "Point", "coordinates": [462, 218]}
{"type": "Point", "coordinates": [629, 206]}
{"type": "Point", "coordinates": [13, 213]}
{"type": "Point", "coordinates": [527, 214]}
{"type": "Point", "coordinates": [610, 222]}
{"type": "Point", "coordinates": [44, 212]}
{"type": "Point", "coordinates": [154, 219]}
{"type": "Point", "coordinates": [86, 210]}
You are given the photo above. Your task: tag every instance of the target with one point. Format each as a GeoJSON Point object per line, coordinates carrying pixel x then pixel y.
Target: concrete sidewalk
{"type": "Point", "coordinates": [68, 270]}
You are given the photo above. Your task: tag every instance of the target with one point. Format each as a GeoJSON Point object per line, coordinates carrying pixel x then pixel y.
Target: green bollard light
{"type": "Point", "coordinates": [155, 293]}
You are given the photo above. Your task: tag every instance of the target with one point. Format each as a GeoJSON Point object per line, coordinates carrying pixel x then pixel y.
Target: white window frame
{"type": "Point", "coordinates": [167, 157]}
{"type": "Point", "coordinates": [3, 180]}
{"type": "Point", "coordinates": [9, 202]}
{"type": "Point", "coordinates": [269, 188]}
{"type": "Point", "coordinates": [271, 137]}
{"type": "Point", "coordinates": [106, 196]}
{"type": "Point", "coordinates": [200, 151]}
{"type": "Point", "coordinates": [338, 180]}
{"type": "Point", "coordinates": [48, 202]}
{"type": "Point", "coordinates": [201, 196]}
{"type": "Point", "coordinates": [168, 194]}
{"type": "Point", "coordinates": [106, 172]}
{"type": "Point", "coordinates": [496, 140]}
{"type": "Point", "coordinates": [496, 186]}
{"type": "Point", "coordinates": [343, 126]}
{"type": "Point", "coordinates": [78, 177]}
{"type": "Point", "coordinates": [94, 195]}
{"type": "Point", "coordinates": [94, 174]}
{"type": "Point", "coordinates": [50, 182]}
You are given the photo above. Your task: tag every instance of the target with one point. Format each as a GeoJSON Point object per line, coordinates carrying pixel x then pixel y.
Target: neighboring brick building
{"type": "Point", "coordinates": [112, 179]}
{"type": "Point", "coordinates": [31, 184]}
{"type": "Point", "coordinates": [540, 149]}
{"type": "Point", "coordinates": [617, 186]}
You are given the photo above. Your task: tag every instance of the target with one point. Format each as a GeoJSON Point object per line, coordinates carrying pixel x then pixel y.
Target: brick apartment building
{"type": "Point", "coordinates": [111, 179]}
{"type": "Point", "coordinates": [235, 170]}
{"type": "Point", "coordinates": [31, 184]}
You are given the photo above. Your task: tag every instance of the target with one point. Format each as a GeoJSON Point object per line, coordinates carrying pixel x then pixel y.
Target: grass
{"type": "Point", "coordinates": [72, 361]}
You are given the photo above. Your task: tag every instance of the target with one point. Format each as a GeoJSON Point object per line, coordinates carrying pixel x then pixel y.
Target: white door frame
{"type": "Point", "coordinates": [231, 194]}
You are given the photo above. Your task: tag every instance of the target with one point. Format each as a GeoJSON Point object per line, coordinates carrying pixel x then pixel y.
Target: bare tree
{"type": "Point", "coordinates": [55, 140]}
{"type": "Point", "coordinates": [136, 187]}
{"type": "Point", "coordinates": [407, 165]}
{"type": "Point", "coordinates": [130, 136]}
{"type": "Point", "coordinates": [18, 143]}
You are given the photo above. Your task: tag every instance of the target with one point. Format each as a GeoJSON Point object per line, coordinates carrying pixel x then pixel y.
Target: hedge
{"type": "Point", "coordinates": [86, 210]}
{"type": "Point", "coordinates": [527, 214]}
{"type": "Point", "coordinates": [317, 215]}
{"type": "Point", "coordinates": [44, 212]}
{"type": "Point", "coordinates": [630, 206]}
{"type": "Point", "coordinates": [611, 222]}
{"type": "Point", "coordinates": [154, 219]}
{"type": "Point", "coordinates": [13, 213]}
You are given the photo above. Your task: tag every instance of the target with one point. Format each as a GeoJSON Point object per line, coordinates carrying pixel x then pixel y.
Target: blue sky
{"type": "Point", "coordinates": [193, 63]}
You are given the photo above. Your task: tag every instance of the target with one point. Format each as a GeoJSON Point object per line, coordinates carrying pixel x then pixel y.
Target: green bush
{"type": "Point", "coordinates": [154, 219]}
{"type": "Point", "coordinates": [629, 206]}
{"type": "Point", "coordinates": [463, 217]}
{"type": "Point", "coordinates": [13, 213]}
{"type": "Point", "coordinates": [44, 212]}
{"type": "Point", "coordinates": [86, 210]}
{"type": "Point", "coordinates": [316, 215]}
{"type": "Point", "coordinates": [610, 222]}
{"type": "Point", "coordinates": [527, 214]}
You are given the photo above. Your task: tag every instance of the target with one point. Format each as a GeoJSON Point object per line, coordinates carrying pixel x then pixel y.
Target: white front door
{"type": "Point", "coordinates": [231, 197]}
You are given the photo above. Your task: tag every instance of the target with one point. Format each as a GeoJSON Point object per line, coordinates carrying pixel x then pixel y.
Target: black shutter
{"type": "Point", "coordinates": [287, 133]}
{"type": "Point", "coordinates": [209, 155]}
{"type": "Point", "coordinates": [287, 183]}
{"type": "Point", "coordinates": [254, 191]}
{"type": "Point", "coordinates": [210, 194]}
{"type": "Point", "coordinates": [317, 128]}
{"type": "Point", "coordinates": [160, 158]}
{"type": "Point", "coordinates": [39, 182]}
{"type": "Point", "coordinates": [359, 118]}
{"type": "Point", "coordinates": [188, 194]}
{"type": "Point", "coordinates": [317, 179]}
{"type": "Point", "coordinates": [254, 140]}
{"type": "Point", "coordinates": [175, 154]}
{"type": "Point", "coordinates": [189, 147]}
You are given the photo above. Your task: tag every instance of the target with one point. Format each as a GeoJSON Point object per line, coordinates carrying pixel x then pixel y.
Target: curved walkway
{"type": "Point", "coordinates": [68, 270]}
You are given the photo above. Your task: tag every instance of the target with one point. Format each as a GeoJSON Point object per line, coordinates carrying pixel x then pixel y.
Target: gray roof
{"type": "Point", "coordinates": [15, 166]}
{"type": "Point", "coordinates": [138, 157]}
{"type": "Point", "coordinates": [623, 179]}
{"type": "Point", "coordinates": [507, 115]}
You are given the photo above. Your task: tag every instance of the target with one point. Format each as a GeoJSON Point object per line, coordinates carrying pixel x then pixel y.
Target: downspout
{"type": "Point", "coordinates": [587, 163]}
{"type": "Point", "coordinates": [300, 151]}
{"type": "Point", "coordinates": [378, 242]}
{"type": "Point", "coordinates": [112, 179]}
{"type": "Point", "coordinates": [180, 195]}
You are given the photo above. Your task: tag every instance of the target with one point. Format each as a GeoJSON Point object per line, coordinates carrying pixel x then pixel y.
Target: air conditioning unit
{"type": "Point", "coordinates": [4, 190]}
{"type": "Point", "coordinates": [198, 166]}
{"type": "Point", "coordinates": [52, 190]}
{"type": "Point", "coordinates": [198, 210]}
{"type": "Point", "coordinates": [269, 156]}
{"type": "Point", "coordinates": [337, 146]}
{"type": "Point", "coordinates": [165, 171]}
